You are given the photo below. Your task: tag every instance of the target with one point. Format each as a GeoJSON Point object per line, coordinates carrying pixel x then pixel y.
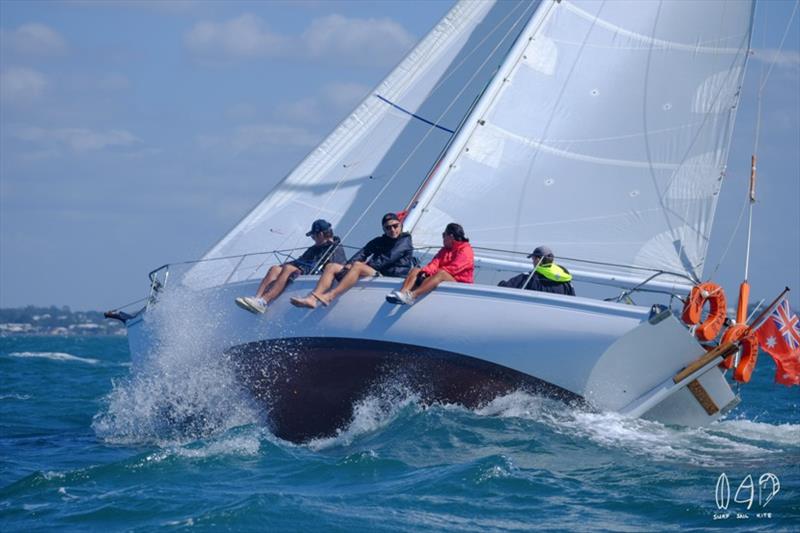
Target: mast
{"type": "Point", "coordinates": [473, 119]}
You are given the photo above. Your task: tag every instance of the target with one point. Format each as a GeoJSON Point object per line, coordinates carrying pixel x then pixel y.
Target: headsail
{"type": "Point", "coordinates": [607, 139]}
{"type": "Point", "coordinates": [378, 156]}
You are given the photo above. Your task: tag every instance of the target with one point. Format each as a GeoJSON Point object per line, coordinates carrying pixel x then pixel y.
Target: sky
{"type": "Point", "coordinates": [137, 133]}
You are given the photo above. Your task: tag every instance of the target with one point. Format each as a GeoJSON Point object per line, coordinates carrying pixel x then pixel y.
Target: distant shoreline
{"type": "Point", "coordinates": [56, 322]}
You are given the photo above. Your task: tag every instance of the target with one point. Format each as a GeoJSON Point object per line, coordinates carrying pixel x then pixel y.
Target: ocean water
{"type": "Point", "coordinates": [84, 446]}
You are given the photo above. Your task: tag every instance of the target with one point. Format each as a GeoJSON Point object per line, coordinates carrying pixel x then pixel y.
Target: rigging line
{"type": "Point", "coordinates": [430, 130]}
{"type": "Point", "coordinates": [407, 112]}
{"type": "Point", "coordinates": [427, 134]}
{"type": "Point", "coordinates": [306, 160]}
{"type": "Point", "coordinates": [706, 117]}
{"type": "Point", "coordinates": [730, 138]}
{"type": "Point", "coordinates": [468, 134]}
{"type": "Point", "coordinates": [757, 136]}
{"type": "Point", "coordinates": [412, 202]}
{"type": "Point", "coordinates": [761, 84]}
{"type": "Point", "coordinates": [475, 49]}
{"type": "Point", "coordinates": [732, 116]}
{"type": "Point", "coordinates": [780, 47]}
{"type": "Point", "coordinates": [730, 240]}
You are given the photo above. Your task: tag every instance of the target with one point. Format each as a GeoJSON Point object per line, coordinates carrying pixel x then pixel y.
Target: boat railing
{"type": "Point", "coordinates": [244, 267]}
{"type": "Point", "coordinates": [491, 266]}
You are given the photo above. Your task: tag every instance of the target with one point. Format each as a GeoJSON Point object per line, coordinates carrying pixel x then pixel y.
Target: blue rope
{"type": "Point", "coordinates": [425, 120]}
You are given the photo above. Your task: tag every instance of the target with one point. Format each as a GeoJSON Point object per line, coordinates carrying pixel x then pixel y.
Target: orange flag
{"type": "Point", "coordinates": [779, 336]}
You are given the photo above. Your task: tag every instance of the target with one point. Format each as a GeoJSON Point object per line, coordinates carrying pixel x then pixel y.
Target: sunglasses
{"type": "Point", "coordinates": [392, 226]}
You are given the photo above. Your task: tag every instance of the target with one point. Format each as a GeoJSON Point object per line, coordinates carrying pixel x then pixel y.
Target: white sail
{"type": "Point", "coordinates": [379, 155]}
{"type": "Point", "coordinates": [607, 139]}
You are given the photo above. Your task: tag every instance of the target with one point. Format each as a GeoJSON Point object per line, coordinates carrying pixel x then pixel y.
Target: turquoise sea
{"type": "Point", "coordinates": [83, 446]}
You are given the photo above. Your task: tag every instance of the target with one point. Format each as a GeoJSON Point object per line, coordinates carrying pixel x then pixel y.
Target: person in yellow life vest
{"type": "Point", "coordinates": [547, 276]}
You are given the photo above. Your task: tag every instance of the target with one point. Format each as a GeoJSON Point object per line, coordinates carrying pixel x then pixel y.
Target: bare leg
{"type": "Point", "coordinates": [269, 279]}
{"type": "Point", "coordinates": [324, 284]}
{"type": "Point", "coordinates": [357, 271]}
{"type": "Point", "coordinates": [280, 283]}
{"type": "Point", "coordinates": [411, 279]}
{"type": "Point", "coordinates": [430, 283]}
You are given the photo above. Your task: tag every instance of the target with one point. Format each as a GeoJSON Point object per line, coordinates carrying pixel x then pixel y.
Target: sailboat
{"type": "Point", "coordinates": [601, 129]}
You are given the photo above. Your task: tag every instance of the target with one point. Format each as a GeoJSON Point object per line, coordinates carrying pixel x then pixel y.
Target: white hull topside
{"type": "Point", "coordinates": [609, 354]}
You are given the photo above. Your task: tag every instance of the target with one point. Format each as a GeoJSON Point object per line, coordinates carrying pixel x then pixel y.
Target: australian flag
{"type": "Point", "coordinates": [779, 336]}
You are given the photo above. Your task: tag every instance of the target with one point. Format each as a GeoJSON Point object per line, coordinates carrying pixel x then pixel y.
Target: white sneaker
{"type": "Point", "coordinates": [393, 297]}
{"type": "Point", "coordinates": [259, 305]}
{"type": "Point", "coordinates": [405, 297]}
{"type": "Point", "coordinates": [241, 301]}
{"type": "Point", "coordinates": [251, 304]}
{"type": "Point", "coordinates": [400, 298]}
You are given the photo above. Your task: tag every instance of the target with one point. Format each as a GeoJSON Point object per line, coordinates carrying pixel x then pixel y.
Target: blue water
{"type": "Point", "coordinates": [85, 447]}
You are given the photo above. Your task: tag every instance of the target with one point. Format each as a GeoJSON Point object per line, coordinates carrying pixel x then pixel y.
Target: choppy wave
{"type": "Point", "coordinates": [372, 413]}
{"type": "Point", "coordinates": [710, 446]}
{"type": "Point", "coordinates": [15, 397]}
{"type": "Point", "coordinates": [55, 356]}
{"type": "Point", "coordinates": [638, 436]}
{"type": "Point", "coordinates": [185, 391]}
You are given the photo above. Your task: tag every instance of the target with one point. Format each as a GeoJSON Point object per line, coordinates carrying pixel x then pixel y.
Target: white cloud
{"type": "Point", "coordinates": [261, 138]}
{"type": "Point", "coordinates": [21, 84]}
{"type": "Point", "coordinates": [243, 37]}
{"type": "Point", "coordinates": [362, 41]}
{"type": "Point", "coordinates": [35, 39]}
{"type": "Point", "coordinates": [334, 38]}
{"type": "Point", "coordinates": [258, 137]}
{"type": "Point", "coordinates": [781, 58]}
{"type": "Point", "coordinates": [78, 140]}
{"type": "Point", "coordinates": [333, 98]}
{"type": "Point", "coordinates": [344, 96]}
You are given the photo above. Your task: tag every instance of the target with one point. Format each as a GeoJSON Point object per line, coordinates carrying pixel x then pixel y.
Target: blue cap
{"type": "Point", "coordinates": [542, 251]}
{"type": "Point", "coordinates": [319, 225]}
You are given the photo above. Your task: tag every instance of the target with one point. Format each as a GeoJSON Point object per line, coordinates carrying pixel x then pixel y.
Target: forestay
{"type": "Point", "coordinates": [607, 139]}
{"type": "Point", "coordinates": [379, 155]}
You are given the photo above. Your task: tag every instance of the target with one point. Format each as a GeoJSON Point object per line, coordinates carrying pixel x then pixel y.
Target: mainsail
{"type": "Point", "coordinates": [380, 154]}
{"type": "Point", "coordinates": [606, 138]}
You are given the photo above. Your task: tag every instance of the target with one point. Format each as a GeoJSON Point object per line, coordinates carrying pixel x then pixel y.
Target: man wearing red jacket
{"type": "Point", "coordinates": [455, 261]}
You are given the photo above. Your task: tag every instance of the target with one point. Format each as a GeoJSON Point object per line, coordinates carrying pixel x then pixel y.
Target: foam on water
{"type": "Point", "coordinates": [228, 445]}
{"type": "Point", "coordinates": [781, 434]}
{"type": "Point", "coordinates": [185, 390]}
{"type": "Point", "coordinates": [700, 446]}
{"type": "Point", "coordinates": [377, 410]}
{"type": "Point", "coordinates": [55, 356]}
{"type": "Point", "coordinates": [15, 397]}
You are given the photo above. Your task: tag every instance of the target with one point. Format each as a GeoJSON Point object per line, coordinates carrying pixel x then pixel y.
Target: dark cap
{"type": "Point", "coordinates": [319, 225]}
{"type": "Point", "coordinates": [389, 216]}
{"type": "Point", "coordinates": [542, 251]}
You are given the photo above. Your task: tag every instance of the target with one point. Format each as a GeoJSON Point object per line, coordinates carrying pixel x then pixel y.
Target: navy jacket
{"type": "Point", "coordinates": [390, 257]}
{"type": "Point", "coordinates": [539, 283]}
{"type": "Point", "coordinates": [308, 262]}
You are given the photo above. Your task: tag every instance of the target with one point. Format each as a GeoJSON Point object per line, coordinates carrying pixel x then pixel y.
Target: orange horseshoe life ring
{"type": "Point", "coordinates": [693, 309]}
{"type": "Point", "coordinates": [748, 344]}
